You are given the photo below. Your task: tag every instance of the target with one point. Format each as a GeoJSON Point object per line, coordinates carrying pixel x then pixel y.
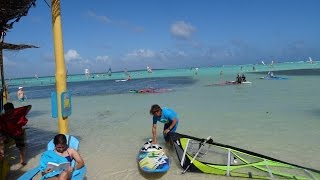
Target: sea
{"type": "Point", "coordinates": [277, 118]}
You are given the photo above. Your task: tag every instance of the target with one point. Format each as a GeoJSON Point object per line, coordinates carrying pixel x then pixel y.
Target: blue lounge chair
{"type": "Point", "coordinates": [78, 174]}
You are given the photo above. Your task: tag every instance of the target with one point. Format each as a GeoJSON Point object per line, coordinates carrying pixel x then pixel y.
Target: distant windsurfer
{"type": "Point", "coordinates": [149, 69]}
{"type": "Point", "coordinates": [272, 62]}
{"type": "Point", "coordinates": [311, 61]}
{"type": "Point", "coordinates": [109, 72]}
{"type": "Point", "coordinates": [166, 116]}
{"type": "Point", "coordinates": [196, 71]}
{"type": "Point", "coordinates": [270, 74]}
{"type": "Point", "coordinates": [87, 73]}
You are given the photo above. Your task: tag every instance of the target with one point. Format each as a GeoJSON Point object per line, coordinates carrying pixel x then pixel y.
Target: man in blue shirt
{"type": "Point", "coordinates": [166, 116]}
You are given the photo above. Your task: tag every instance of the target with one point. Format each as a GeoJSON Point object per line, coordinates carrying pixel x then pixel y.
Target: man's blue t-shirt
{"type": "Point", "coordinates": [167, 116]}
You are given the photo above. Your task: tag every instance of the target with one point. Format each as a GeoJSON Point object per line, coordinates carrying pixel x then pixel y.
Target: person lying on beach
{"type": "Point", "coordinates": [11, 127]}
{"type": "Point", "coordinates": [61, 154]}
{"type": "Point", "coordinates": [166, 116]}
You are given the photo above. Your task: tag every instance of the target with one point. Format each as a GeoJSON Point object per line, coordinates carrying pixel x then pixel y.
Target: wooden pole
{"type": "Point", "coordinates": [3, 83]}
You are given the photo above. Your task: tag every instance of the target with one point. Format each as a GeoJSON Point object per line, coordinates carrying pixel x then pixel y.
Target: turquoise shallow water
{"type": "Point", "coordinates": [227, 69]}
{"type": "Point", "coordinates": [275, 118]}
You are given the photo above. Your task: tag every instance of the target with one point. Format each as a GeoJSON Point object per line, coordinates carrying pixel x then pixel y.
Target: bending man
{"type": "Point", "coordinates": [166, 116]}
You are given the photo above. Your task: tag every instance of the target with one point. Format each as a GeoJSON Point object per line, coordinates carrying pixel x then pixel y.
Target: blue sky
{"type": "Point", "coordinates": [134, 34]}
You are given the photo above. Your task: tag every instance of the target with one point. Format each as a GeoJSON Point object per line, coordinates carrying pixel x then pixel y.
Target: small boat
{"type": "Point", "coordinates": [208, 156]}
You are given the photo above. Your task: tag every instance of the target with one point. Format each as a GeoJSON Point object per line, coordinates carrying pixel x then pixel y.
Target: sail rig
{"type": "Point", "coordinates": [207, 156]}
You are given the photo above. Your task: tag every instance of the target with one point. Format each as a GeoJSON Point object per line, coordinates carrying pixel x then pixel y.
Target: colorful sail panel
{"type": "Point", "coordinates": [220, 159]}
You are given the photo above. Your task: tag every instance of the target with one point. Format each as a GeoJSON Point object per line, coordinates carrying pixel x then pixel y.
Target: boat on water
{"type": "Point", "coordinates": [208, 156]}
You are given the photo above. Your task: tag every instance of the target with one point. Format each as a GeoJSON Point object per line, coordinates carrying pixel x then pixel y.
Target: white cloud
{"type": "Point", "coordinates": [182, 30]}
{"type": "Point", "coordinates": [141, 53]}
{"type": "Point", "coordinates": [7, 62]}
{"type": "Point", "coordinates": [72, 56]}
{"type": "Point", "coordinates": [181, 53]}
{"type": "Point", "coordinates": [103, 59]}
{"type": "Point", "coordinates": [103, 19]}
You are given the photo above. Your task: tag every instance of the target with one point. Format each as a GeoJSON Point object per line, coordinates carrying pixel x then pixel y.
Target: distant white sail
{"type": "Point", "coordinates": [149, 69]}
{"type": "Point", "coordinates": [310, 60]}
{"type": "Point", "coordinates": [87, 73]}
{"type": "Point", "coordinates": [263, 63]}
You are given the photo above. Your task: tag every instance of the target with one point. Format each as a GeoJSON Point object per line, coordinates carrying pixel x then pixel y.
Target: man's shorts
{"type": "Point", "coordinates": [19, 140]}
{"type": "Point", "coordinates": [166, 126]}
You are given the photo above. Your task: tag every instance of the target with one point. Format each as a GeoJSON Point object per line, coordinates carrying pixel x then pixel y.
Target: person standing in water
{"type": "Point", "coordinates": [20, 94]}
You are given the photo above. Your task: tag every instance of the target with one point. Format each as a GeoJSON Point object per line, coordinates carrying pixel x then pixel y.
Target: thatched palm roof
{"type": "Point", "coordinates": [9, 46]}
{"type": "Point", "coordinates": [12, 10]}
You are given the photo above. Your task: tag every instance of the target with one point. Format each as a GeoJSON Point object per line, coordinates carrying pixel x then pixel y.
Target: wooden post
{"type": "Point", "coordinates": [3, 83]}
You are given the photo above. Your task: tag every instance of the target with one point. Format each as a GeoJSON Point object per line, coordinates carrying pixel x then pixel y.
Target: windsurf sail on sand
{"type": "Point", "coordinates": [219, 159]}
